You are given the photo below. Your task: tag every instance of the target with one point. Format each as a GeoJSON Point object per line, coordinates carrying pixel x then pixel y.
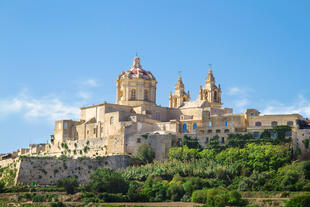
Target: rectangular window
{"type": "Point", "coordinates": [65, 125]}
{"type": "Point", "coordinates": [133, 94]}
{"type": "Point", "coordinates": [138, 140]}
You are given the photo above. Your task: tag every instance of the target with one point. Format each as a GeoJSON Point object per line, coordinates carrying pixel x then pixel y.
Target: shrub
{"type": "Point", "coordinates": [145, 154]}
{"type": "Point", "coordinates": [191, 143]}
{"type": "Point", "coordinates": [2, 187]}
{"type": "Point", "coordinates": [38, 198]}
{"type": "Point", "coordinates": [175, 191]}
{"type": "Point", "coordinates": [134, 192]}
{"type": "Point", "coordinates": [109, 197]}
{"type": "Point", "coordinates": [106, 180]}
{"type": "Point", "coordinates": [70, 184]}
{"type": "Point", "coordinates": [306, 169]}
{"type": "Point", "coordinates": [208, 154]}
{"type": "Point", "coordinates": [192, 184]}
{"type": "Point", "coordinates": [57, 204]}
{"type": "Point", "coordinates": [220, 197]}
{"type": "Point", "coordinates": [155, 189]}
{"type": "Point", "coordinates": [299, 201]}
{"type": "Point", "coordinates": [199, 196]}
{"type": "Point", "coordinates": [183, 153]}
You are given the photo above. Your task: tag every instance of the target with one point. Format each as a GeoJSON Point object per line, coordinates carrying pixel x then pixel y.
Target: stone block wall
{"type": "Point", "coordinates": [48, 170]}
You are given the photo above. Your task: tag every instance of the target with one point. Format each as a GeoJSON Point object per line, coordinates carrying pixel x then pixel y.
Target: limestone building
{"type": "Point", "coordinates": [135, 118]}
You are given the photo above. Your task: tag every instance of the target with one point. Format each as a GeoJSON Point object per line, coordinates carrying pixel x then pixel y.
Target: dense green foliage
{"type": "Point", "coordinates": [191, 143]}
{"type": "Point", "coordinates": [37, 197]}
{"type": "Point", "coordinates": [214, 176]}
{"type": "Point", "coordinates": [70, 184]}
{"type": "Point", "coordinates": [106, 180]}
{"type": "Point", "coordinates": [299, 201]}
{"type": "Point", "coordinates": [145, 154]}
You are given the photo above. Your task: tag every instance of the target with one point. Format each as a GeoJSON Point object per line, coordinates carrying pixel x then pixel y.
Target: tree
{"type": "Point", "coordinates": [106, 180]}
{"type": "Point", "coordinates": [299, 201]}
{"type": "Point", "coordinates": [145, 154]}
{"type": "Point", "coordinates": [175, 191]}
{"type": "Point", "coordinates": [183, 153]}
{"type": "Point", "coordinates": [281, 132]}
{"type": "Point", "coordinates": [191, 143]}
{"type": "Point", "coordinates": [70, 184]}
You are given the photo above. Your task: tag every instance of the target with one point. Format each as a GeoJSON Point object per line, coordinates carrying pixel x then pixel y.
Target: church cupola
{"type": "Point", "coordinates": [136, 86]}
{"type": "Point", "coordinates": [210, 92]}
{"type": "Point", "coordinates": [179, 96]}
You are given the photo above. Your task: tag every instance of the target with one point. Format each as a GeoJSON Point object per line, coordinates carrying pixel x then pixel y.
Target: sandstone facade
{"type": "Point", "coordinates": [120, 128]}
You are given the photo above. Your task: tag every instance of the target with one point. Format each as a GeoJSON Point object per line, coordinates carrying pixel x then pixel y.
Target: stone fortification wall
{"type": "Point", "coordinates": [5, 163]}
{"type": "Point", "coordinates": [86, 147]}
{"type": "Point", "coordinates": [48, 170]}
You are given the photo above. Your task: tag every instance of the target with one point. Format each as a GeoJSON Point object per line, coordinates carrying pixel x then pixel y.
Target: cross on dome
{"type": "Point", "coordinates": [136, 63]}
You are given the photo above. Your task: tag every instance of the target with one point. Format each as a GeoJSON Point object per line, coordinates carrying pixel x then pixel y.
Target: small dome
{"type": "Point", "coordinates": [137, 71]}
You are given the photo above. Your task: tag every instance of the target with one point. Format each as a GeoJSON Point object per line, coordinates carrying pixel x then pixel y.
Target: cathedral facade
{"type": "Point", "coordinates": [135, 118]}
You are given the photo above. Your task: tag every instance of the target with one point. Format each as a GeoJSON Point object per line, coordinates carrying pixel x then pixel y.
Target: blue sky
{"type": "Point", "coordinates": [56, 56]}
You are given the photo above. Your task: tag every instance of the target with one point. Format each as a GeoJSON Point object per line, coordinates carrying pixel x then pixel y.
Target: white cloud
{"type": "Point", "coordinates": [300, 106]}
{"type": "Point", "coordinates": [234, 91]}
{"type": "Point", "coordinates": [49, 108]}
{"type": "Point", "coordinates": [241, 103]}
{"type": "Point", "coordinates": [84, 95]}
{"type": "Point", "coordinates": [91, 83]}
{"type": "Point", "coordinates": [239, 98]}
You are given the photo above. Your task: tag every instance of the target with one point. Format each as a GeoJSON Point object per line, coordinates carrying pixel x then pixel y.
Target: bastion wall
{"type": "Point", "coordinates": [48, 170]}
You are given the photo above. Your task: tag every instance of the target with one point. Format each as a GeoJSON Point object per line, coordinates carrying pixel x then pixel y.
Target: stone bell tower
{"type": "Point", "coordinates": [210, 92]}
{"type": "Point", "coordinates": [136, 86]}
{"type": "Point", "coordinates": [179, 96]}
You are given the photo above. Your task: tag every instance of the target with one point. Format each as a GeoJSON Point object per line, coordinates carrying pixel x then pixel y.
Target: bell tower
{"type": "Point", "coordinates": [210, 92]}
{"type": "Point", "coordinates": [179, 96]}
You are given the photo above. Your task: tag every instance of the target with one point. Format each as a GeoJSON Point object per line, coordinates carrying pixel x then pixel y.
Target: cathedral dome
{"type": "Point", "coordinates": [136, 71]}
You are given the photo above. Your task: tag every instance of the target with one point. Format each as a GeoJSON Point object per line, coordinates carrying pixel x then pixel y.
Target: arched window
{"type": "Point", "coordinates": [195, 126]}
{"type": "Point", "coordinates": [274, 123]}
{"type": "Point", "coordinates": [133, 94]}
{"type": "Point", "coordinates": [226, 123]}
{"type": "Point", "coordinates": [209, 131]}
{"type": "Point", "coordinates": [218, 131]}
{"type": "Point", "coordinates": [226, 130]}
{"type": "Point", "coordinates": [258, 123]}
{"type": "Point", "coordinates": [210, 123]}
{"type": "Point", "coordinates": [223, 140]}
{"type": "Point", "coordinates": [146, 95]}
{"type": "Point", "coordinates": [184, 127]}
{"type": "Point", "coordinates": [111, 120]}
{"type": "Point", "coordinates": [290, 123]}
